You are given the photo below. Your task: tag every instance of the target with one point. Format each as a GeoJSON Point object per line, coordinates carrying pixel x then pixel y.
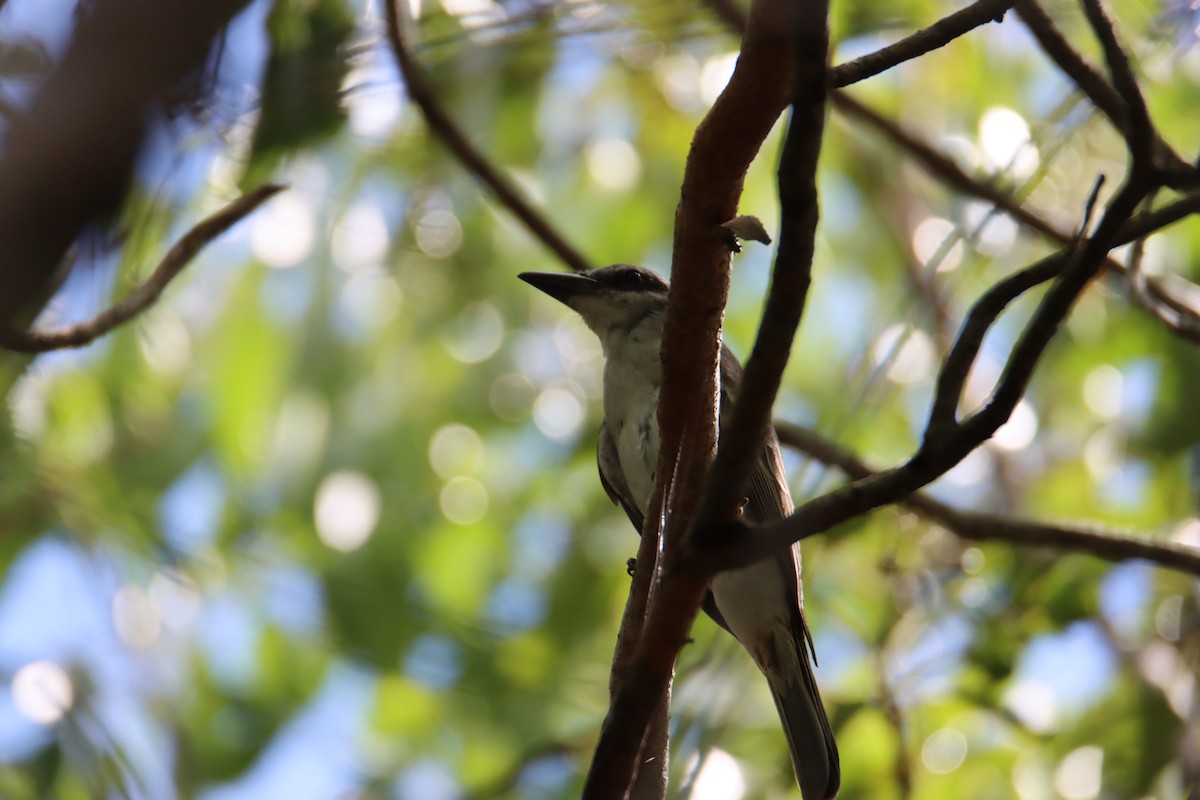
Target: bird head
{"type": "Point", "coordinates": [611, 300]}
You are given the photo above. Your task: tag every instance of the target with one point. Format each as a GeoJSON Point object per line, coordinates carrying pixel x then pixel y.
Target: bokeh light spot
{"type": "Point", "coordinates": [283, 232]}
{"type": "Point", "coordinates": [558, 412]}
{"type": "Point", "coordinates": [346, 510]}
{"type": "Point", "coordinates": [360, 238]}
{"type": "Point", "coordinates": [1020, 430]}
{"type": "Point", "coordinates": [1102, 389]}
{"type": "Point", "coordinates": [613, 164]}
{"type": "Point", "coordinates": [438, 233]}
{"type": "Point", "coordinates": [1078, 774]}
{"type": "Point", "coordinates": [463, 500]}
{"type": "Point", "coordinates": [994, 234]}
{"type": "Point", "coordinates": [715, 74]}
{"type": "Point", "coordinates": [911, 353]}
{"type": "Point", "coordinates": [175, 597]}
{"type": "Point", "coordinates": [719, 778]}
{"type": "Point", "coordinates": [42, 692]}
{"type": "Point", "coordinates": [944, 751]}
{"type": "Point", "coordinates": [454, 450]}
{"type": "Point", "coordinates": [165, 343]}
{"type": "Point", "coordinates": [370, 298]}
{"type": "Point", "coordinates": [934, 237]}
{"type": "Point", "coordinates": [1034, 703]}
{"type": "Point", "coordinates": [476, 334]}
{"type": "Point", "coordinates": [135, 616]}
{"type": "Point", "coordinates": [1006, 144]}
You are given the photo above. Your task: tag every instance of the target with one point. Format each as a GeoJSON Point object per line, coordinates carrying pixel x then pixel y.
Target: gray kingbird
{"type": "Point", "coordinates": [761, 605]}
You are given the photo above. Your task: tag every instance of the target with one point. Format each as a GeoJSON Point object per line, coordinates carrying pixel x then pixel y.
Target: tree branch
{"type": "Point", "coordinates": [444, 128]}
{"type": "Point", "coordinates": [1183, 322]}
{"type": "Point", "coordinates": [979, 527]}
{"type": "Point", "coordinates": [147, 293]}
{"type": "Point", "coordinates": [946, 441]}
{"type": "Point", "coordinates": [943, 168]}
{"type": "Point", "coordinates": [725, 143]}
{"type": "Point", "coordinates": [1113, 103]}
{"type": "Point", "coordinates": [1140, 132]}
{"type": "Point", "coordinates": [742, 437]}
{"type": "Point", "coordinates": [917, 44]}
{"type": "Point", "coordinates": [68, 160]}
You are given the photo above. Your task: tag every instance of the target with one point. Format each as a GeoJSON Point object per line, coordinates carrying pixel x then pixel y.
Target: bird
{"type": "Point", "coordinates": [761, 605]}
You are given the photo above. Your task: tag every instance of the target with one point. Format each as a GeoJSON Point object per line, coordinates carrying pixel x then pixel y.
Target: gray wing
{"type": "Point", "coordinates": [768, 497]}
{"type": "Point", "coordinates": [801, 710]}
{"type": "Point", "coordinates": [612, 478]}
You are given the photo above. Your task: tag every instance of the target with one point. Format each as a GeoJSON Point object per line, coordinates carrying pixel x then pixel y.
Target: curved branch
{"type": "Point", "coordinates": [750, 418]}
{"type": "Point", "coordinates": [979, 527]}
{"type": "Point", "coordinates": [725, 143]}
{"type": "Point", "coordinates": [444, 128]}
{"type": "Point", "coordinates": [1183, 322]}
{"type": "Point", "coordinates": [1140, 132]}
{"type": "Point", "coordinates": [947, 442]}
{"type": "Point", "coordinates": [1111, 102]}
{"type": "Point", "coordinates": [68, 159]}
{"type": "Point", "coordinates": [147, 293]}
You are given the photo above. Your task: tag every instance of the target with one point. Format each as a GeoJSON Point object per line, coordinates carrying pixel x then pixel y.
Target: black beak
{"type": "Point", "coordinates": [562, 286]}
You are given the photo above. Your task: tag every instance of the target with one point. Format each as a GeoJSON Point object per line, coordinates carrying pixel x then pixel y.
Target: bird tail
{"type": "Point", "coordinates": [810, 739]}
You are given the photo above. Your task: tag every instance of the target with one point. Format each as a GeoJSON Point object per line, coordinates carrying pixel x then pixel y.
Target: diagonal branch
{"type": "Point", "coordinates": [1083, 539]}
{"type": "Point", "coordinates": [68, 158]}
{"type": "Point", "coordinates": [943, 414]}
{"type": "Point", "coordinates": [946, 441]}
{"type": "Point", "coordinates": [1139, 128]}
{"type": "Point", "coordinates": [1181, 320]}
{"type": "Point", "coordinates": [1113, 103]}
{"type": "Point", "coordinates": [444, 128]}
{"type": "Point", "coordinates": [147, 293]}
{"type": "Point", "coordinates": [943, 167]}
{"type": "Point", "coordinates": [917, 44]}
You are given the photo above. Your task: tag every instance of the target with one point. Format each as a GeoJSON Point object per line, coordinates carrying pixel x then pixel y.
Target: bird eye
{"type": "Point", "coordinates": [633, 280]}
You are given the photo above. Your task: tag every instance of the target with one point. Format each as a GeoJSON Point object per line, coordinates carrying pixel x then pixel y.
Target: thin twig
{"type": "Point", "coordinates": [147, 293]}
{"type": "Point", "coordinates": [945, 170]}
{"type": "Point", "coordinates": [1140, 132]}
{"type": "Point", "coordinates": [979, 527]}
{"type": "Point", "coordinates": [1177, 173]}
{"type": "Point", "coordinates": [1086, 262]}
{"type": "Point", "coordinates": [1089, 79]}
{"type": "Point", "coordinates": [945, 442]}
{"type": "Point", "coordinates": [939, 34]}
{"type": "Point", "coordinates": [1183, 323]}
{"type": "Point", "coordinates": [943, 413]}
{"type": "Point", "coordinates": [902, 767]}
{"type": "Point", "coordinates": [916, 44]}
{"type": "Point", "coordinates": [68, 157]}
{"type": "Point", "coordinates": [421, 91]}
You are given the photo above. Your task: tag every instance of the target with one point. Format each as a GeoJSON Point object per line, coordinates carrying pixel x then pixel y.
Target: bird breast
{"type": "Point", "coordinates": [631, 386]}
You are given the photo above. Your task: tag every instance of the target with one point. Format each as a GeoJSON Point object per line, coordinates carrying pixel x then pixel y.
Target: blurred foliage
{"type": "Point", "coordinates": [325, 522]}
